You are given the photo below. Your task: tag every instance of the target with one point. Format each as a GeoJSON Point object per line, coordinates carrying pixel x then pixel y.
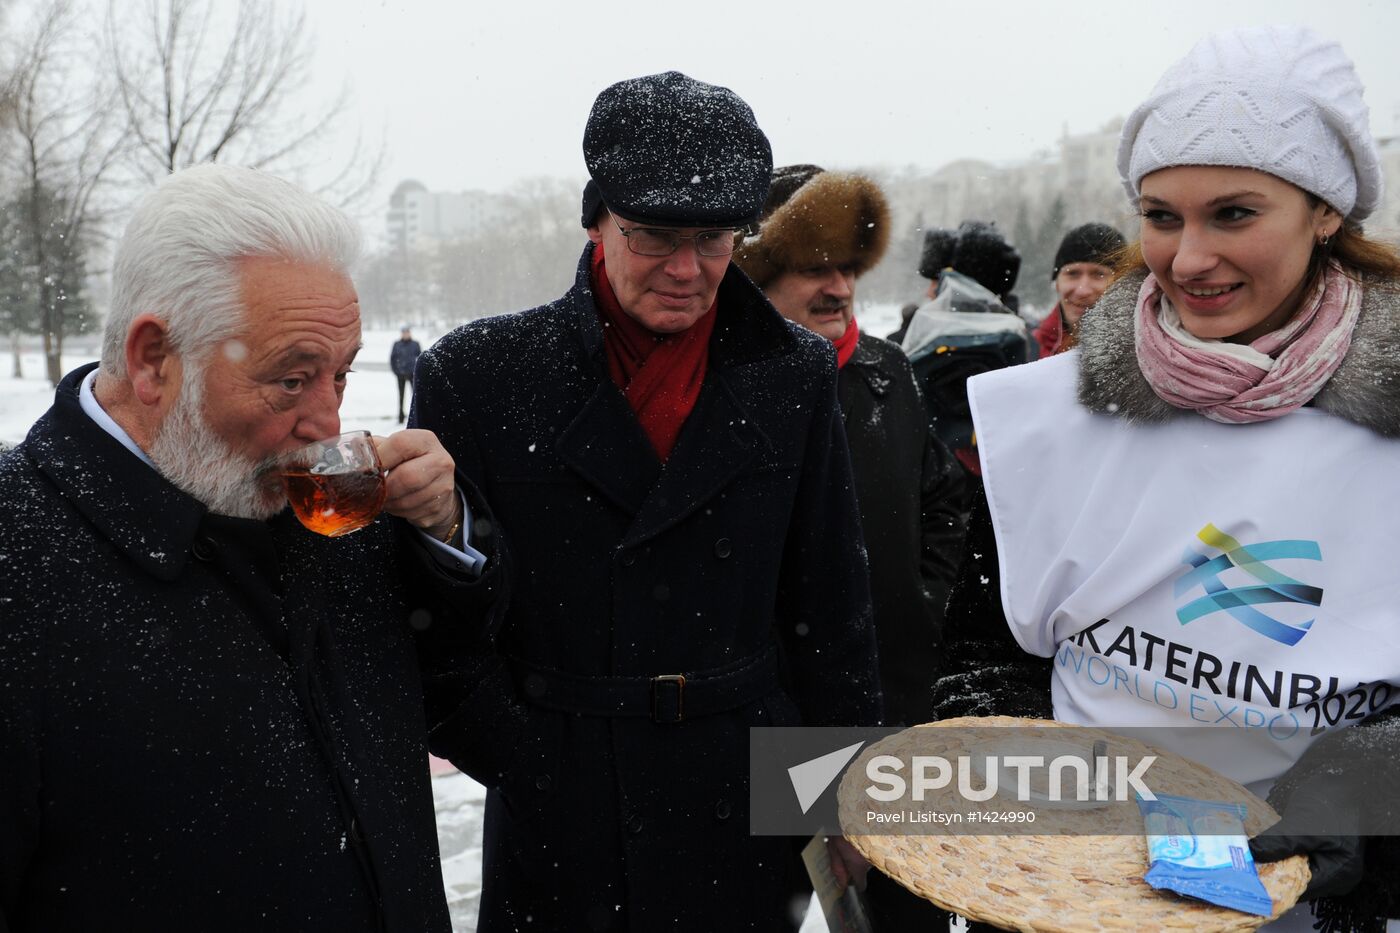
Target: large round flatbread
{"type": "Point", "coordinates": [1066, 882]}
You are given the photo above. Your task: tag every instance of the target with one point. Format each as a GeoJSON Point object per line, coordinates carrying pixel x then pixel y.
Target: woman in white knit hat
{"type": "Point", "coordinates": [1221, 442]}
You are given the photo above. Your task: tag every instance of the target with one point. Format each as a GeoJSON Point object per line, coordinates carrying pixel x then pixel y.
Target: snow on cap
{"type": "Point", "coordinates": [1280, 99]}
{"type": "Point", "coordinates": [671, 150]}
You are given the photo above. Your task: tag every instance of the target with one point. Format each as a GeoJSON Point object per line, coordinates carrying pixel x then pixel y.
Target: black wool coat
{"type": "Point", "coordinates": [209, 723]}
{"type": "Point", "coordinates": [747, 539]}
{"type": "Point", "coordinates": [910, 491]}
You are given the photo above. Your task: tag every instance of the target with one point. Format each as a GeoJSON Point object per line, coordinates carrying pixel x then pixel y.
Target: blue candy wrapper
{"type": "Point", "coordinates": [1198, 848]}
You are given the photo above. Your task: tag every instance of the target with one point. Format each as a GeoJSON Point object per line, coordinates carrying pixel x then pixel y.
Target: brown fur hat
{"type": "Point", "coordinates": [815, 218]}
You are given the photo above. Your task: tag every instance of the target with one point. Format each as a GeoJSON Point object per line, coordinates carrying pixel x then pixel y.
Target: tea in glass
{"type": "Point", "coordinates": [336, 485]}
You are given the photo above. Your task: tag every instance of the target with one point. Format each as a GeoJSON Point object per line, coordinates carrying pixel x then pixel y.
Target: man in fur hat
{"type": "Point", "coordinates": [819, 233]}
{"type": "Point", "coordinates": [669, 460]}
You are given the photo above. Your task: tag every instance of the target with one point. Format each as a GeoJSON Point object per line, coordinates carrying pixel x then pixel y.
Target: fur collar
{"type": "Point", "coordinates": [1365, 389]}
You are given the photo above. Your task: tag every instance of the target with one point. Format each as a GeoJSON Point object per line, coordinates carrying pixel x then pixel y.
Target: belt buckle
{"type": "Point", "coordinates": [657, 683]}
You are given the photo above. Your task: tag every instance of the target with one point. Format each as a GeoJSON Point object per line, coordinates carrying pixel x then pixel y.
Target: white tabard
{"type": "Point", "coordinates": [1194, 573]}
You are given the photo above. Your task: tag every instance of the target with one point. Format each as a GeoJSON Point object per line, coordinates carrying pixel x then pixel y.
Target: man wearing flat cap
{"type": "Point", "coordinates": [667, 459]}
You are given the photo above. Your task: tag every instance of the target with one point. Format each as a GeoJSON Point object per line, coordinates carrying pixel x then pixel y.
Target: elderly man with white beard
{"type": "Point", "coordinates": [210, 717]}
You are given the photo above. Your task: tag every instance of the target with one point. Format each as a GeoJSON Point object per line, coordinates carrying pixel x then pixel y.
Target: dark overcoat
{"type": "Point", "coordinates": [746, 541]}
{"type": "Point", "coordinates": [207, 723]}
{"type": "Point", "coordinates": [911, 496]}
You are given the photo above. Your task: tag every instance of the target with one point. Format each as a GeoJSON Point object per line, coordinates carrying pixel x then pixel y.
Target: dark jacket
{"type": "Point", "coordinates": [404, 357]}
{"type": "Point", "coordinates": [611, 814]}
{"type": "Point", "coordinates": [985, 672]}
{"type": "Point", "coordinates": [910, 491]}
{"type": "Point", "coordinates": [205, 722]}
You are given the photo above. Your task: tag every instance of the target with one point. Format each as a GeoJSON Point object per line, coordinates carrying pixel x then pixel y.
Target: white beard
{"type": "Point", "coordinates": [201, 464]}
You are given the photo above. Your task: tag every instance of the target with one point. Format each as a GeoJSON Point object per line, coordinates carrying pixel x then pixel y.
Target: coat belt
{"type": "Point", "coordinates": [662, 698]}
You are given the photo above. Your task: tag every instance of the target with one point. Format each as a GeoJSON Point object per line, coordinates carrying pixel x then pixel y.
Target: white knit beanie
{"type": "Point", "coordinates": [1280, 99]}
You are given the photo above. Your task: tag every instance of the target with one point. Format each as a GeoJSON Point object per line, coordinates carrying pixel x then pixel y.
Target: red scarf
{"type": "Point", "coordinates": [846, 344]}
{"type": "Point", "coordinates": [1050, 332]}
{"type": "Point", "coordinates": [660, 374]}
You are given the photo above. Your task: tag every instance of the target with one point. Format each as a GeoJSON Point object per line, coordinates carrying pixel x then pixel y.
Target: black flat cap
{"type": "Point", "coordinates": [667, 149]}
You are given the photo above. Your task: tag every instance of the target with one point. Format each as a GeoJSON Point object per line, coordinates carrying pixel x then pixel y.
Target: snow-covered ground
{"type": "Point", "coordinates": [461, 806]}
{"type": "Point", "coordinates": [369, 403]}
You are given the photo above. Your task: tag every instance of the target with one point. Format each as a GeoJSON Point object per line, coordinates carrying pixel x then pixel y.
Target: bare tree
{"type": "Point", "coordinates": [200, 85]}
{"type": "Point", "coordinates": [64, 145]}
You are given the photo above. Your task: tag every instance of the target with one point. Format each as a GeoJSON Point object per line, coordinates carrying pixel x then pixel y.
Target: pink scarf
{"type": "Point", "coordinates": [1236, 384]}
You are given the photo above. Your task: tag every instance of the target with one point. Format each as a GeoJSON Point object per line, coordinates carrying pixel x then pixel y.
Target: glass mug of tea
{"type": "Point", "coordinates": [335, 485]}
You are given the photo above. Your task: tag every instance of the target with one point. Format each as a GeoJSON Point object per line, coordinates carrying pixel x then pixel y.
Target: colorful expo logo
{"type": "Point", "coordinates": [1262, 584]}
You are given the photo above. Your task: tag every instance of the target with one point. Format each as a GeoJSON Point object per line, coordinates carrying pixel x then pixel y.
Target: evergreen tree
{"type": "Point", "coordinates": [1038, 255]}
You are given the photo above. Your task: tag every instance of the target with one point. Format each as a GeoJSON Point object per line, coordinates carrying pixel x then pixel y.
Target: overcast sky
{"type": "Point", "coordinates": [478, 95]}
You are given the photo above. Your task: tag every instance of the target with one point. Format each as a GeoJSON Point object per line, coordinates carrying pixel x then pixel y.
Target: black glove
{"type": "Point", "coordinates": [1323, 827]}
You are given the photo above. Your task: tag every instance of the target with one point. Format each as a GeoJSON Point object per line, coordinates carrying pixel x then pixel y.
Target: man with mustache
{"type": "Point", "coordinates": [666, 454]}
{"type": "Point", "coordinates": [821, 231]}
{"type": "Point", "coordinates": [210, 717]}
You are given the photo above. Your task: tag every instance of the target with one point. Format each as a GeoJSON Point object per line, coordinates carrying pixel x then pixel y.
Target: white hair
{"type": "Point", "coordinates": [178, 258]}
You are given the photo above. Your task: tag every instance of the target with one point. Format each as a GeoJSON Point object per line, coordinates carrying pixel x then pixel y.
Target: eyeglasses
{"type": "Point", "coordinates": [660, 241]}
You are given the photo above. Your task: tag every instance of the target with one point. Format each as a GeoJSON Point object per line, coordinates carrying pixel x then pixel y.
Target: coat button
{"type": "Point", "coordinates": [723, 810]}
{"type": "Point", "coordinates": [628, 558]}
{"type": "Point", "coordinates": [723, 548]}
{"type": "Point", "coordinates": [634, 824]}
{"type": "Point", "coordinates": [205, 549]}
{"type": "Point", "coordinates": [542, 782]}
